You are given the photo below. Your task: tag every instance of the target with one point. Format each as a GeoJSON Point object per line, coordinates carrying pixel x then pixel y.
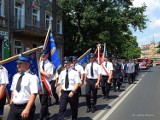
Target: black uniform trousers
{"type": "Point", "coordinates": [16, 110]}
{"type": "Point", "coordinates": [44, 103]}
{"type": "Point", "coordinates": [55, 95]}
{"type": "Point", "coordinates": [104, 84]}
{"type": "Point", "coordinates": [2, 103]}
{"type": "Point", "coordinates": [91, 93]}
{"type": "Point", "coordinates": [64, 100]}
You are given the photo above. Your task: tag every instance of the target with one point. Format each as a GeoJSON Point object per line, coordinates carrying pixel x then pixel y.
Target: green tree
{"type": "Point", "coordinates": [90, 22]}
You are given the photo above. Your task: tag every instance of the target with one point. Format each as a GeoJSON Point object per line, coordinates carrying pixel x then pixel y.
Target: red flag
{"type": "Point", "coordinates": [47, 85]}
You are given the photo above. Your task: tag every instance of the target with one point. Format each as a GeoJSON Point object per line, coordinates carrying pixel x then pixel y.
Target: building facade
{"type": "Point", "coordinates": [25, 24]}
{"type": "Point", "coordinates": [150, 51]}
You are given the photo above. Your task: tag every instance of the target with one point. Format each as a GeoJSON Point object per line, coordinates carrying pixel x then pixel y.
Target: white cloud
{"type": "Point", "coordinates": [155, 23]}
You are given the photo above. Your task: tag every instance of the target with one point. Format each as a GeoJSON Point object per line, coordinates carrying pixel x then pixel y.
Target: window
{"type": "Point", "coordinates": [19, 15]}
{"type": "Point", "coordinates": [35, 18]}
{"type": "Point", "coordinates": [48, 17]}
{"type": "Point", "coordinates": [50, 0]}
{"type": "Point", "coordinates": [59, 26]}
{"type": "Point", "coordinates": [1, 7]}
{"type": "Point", "coordinates": [18, 47]}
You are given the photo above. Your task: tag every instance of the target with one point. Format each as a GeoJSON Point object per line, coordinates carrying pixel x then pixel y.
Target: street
{"type": "Point", "coordinates": [137, 101]}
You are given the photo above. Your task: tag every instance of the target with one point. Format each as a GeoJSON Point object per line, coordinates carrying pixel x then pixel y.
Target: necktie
{"type": "Point", "coordinates": [43, 65]}
{"type": "Point", "coordinates": [18, 87]}
{"type": "Point", "coordinates": [92, 69]}
{"type": "Point", "coordinates": [106, 65]}
{"type": "Point", "coordinates": [66, 80]}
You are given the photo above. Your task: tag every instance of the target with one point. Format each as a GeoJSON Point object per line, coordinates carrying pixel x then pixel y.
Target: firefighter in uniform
{"type": "Point", "coordinates": [46, 69]}
{"type": "Point", "coordinates": [69, 81]}
{"type": "Point", "coordinates": [130, 71]}
{"type": "Point", "coordinates": [24, 91]}
{"type": "Point", "coordinates": [107, 74]}
{"type": "Point", "coordinates": [3, 82]}
{"type": "Point", "coordinates": [80, 70]}
{"type": "Point", "coordinates": [91, 81]}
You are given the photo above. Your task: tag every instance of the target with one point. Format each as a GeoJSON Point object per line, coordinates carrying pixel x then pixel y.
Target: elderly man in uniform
{"type": "Point", "coordinates": [46, 69]}
{"type": "Point", "coordinates": [3, 82]}
{"type": "Point", "coordinates": [91, 81]}
{"type": "Point", "coordinates": [69, 81]}
{"type": "Point", "coordinates": [107, 74]}
{"type": "Point", "coordinates": [24, 91]}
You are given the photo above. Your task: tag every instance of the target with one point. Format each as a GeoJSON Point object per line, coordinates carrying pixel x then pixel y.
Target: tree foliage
{"type": "Point", "coordinates": [90, 22]}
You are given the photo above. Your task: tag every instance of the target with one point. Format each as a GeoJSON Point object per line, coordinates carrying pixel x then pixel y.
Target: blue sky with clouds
{"type": "Point", "coordinates": [153, 26]}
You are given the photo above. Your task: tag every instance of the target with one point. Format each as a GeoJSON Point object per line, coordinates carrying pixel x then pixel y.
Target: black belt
{"type": "Point", "coordinates": [20, 105]}
{"type": "Point", "coordinates": [67, 91]}
{"type": "Point", "coordinates": [104, 75]}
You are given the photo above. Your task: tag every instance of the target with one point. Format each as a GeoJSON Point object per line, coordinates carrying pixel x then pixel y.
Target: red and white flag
{"type": "Point", "coordinates": [33, 3]}
{"type": "Point", "coordinates": [47, 85]}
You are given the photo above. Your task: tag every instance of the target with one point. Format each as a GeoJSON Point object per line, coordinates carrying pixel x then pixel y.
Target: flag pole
{"type": "Point", "coordinates": [84, 54]}
{"type": "Point", "coordinates": [15, 56]}
{"type": "Point", "coordinates": [46, 39]}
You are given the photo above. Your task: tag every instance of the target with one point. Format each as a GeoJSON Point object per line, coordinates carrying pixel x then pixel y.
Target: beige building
{"type": "Point", "coordinates": [150, 51]}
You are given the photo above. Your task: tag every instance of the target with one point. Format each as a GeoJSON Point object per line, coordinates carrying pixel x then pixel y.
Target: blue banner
{"type": "Point", "coordinates": [12, 70]}
{"type": "Point", "coordinates": [54, 58]}
{"type": "Point", "coordinates": [84, 59]}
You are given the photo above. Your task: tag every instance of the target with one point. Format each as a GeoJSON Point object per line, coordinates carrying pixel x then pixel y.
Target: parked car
{"type": "Point", "coordinates": [158, 62]}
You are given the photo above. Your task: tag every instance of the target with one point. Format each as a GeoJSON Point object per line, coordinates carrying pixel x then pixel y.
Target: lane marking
{"type": "Point", "coordinates": [120, 101]}
{"type": "Point", "coordinates": [117, 99]}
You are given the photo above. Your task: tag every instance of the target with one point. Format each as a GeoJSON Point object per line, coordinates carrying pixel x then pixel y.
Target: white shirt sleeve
{"type": "Point", "coordinates": [4, 76]}
{"type": "Point", "coordinates": [34, 84]}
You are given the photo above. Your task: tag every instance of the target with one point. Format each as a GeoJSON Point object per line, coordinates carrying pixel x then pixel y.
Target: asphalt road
{"type": "Point", "coordinates": [142, 103]}
{"type": "Point", "coordinates": [133, 106]}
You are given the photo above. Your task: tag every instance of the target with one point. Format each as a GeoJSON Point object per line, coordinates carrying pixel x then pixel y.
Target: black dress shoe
{"type": "Point", "coordinates": [88, 110]}
{"type": "Point", "coordinates": [93, 109]}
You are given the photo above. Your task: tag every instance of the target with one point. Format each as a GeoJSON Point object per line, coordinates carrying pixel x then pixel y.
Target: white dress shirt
{"type": "Point", "coordinates": [73, 77]}
{"type": "Point", "coordinates": [48, 67]}
{"type": "Point", "coordinates": [109, 68]}
{"type": "Point", "coordinates": [3, 75]}
{"type": "Point", "coordinates": [96, 70]}
{"type": "Point", "coordinates": [29, 85]}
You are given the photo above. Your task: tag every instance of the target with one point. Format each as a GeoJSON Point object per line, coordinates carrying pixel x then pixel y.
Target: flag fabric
{"type": "Point", "coordinates": [53, 57]}
{"type": "Point", "coordinates": [33, 3]}
{"type": "Point", "coordinates": [98, 53]}
{"type": "Point", "coordinates": [47, 85]}
{"type": "Point", "coordinates": [84, 59]}
{"type": "Point", "coordinates": [104, 53]}
{"type": "Point", "coordinates": [12, 70]}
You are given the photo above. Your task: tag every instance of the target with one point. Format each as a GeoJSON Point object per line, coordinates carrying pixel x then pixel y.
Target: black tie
{"type": "Point", "coordinates": [43, 65]}
{"type": "Point", "coordinates": [92, 69]}
{"type": "Point", "coordinates": [18, 87]}
{"type": "Point", "coordinates": [66, 80]}
{"type": "Point", "coordinates": [106, 64]}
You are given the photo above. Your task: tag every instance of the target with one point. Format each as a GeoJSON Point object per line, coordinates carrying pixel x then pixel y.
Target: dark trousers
{"type": "Point", "coordinates": [55, 95]}
{"type": "Point", "coordinates": [91, 91]}
{"type": "Point", "coordinates": [2, 103]}
{"type": "Point", "coordinates": [129, 77]}
{"type": "Point", "coordinates": [16, 110]}
{"type": "Point", "coordinates": [117, 82]}
{"type": "Point", "coordinates": [64, 100]}
{"type": "Point", "coordinates": [104, 85]}
{"type": "Point", "coordinates": [108, 88]}
{"type": "Point", "coordinates": [44, 103]}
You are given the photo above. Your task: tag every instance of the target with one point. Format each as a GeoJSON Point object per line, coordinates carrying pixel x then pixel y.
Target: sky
{"type": "Point", "coordinates": [153, 25]}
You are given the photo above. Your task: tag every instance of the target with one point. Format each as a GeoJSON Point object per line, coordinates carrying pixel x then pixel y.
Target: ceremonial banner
{"type": "Point", "coordinates": [53, 56]}
{"type": "Point", "coordinates": [84, 59]}
{"type": "Point", "coordinates": [11, 65]}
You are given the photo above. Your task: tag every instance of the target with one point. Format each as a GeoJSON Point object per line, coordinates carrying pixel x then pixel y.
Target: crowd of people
{"type": "Point", "coordinates": [69, 80]}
